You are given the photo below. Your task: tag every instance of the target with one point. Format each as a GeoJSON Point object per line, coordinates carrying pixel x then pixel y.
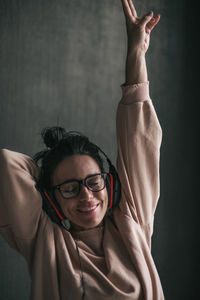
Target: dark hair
{"type": "Point", "coordinates": [61, 144]}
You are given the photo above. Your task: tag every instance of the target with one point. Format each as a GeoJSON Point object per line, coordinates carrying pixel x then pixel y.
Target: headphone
{"type": "Point", "coordinates": [54, 211]}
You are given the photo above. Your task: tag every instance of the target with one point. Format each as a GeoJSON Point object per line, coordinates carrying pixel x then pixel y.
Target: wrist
{"type": "Point", "coordinates": [136, 53]}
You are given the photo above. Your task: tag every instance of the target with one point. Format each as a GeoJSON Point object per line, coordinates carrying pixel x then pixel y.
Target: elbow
{"type": "Point", "coordinates": [4, 153]}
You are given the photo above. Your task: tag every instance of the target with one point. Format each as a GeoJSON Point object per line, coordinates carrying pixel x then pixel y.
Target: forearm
{"type": "Point", "coordinates": [20, 202]}
{"type": "Point", "coordinates": [136, 69]}
{"type": "Point", "coordinates": [138, 38]}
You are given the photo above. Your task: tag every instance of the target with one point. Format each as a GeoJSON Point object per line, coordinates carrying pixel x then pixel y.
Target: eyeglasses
{"type": "Point", "coordinates": [71, 188]}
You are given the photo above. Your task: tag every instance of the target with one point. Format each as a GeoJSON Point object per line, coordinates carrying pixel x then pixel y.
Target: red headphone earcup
{"type": "Point", "coordinates": [114, 189]}
{"type": "Point", "coordinates": [110, 199]}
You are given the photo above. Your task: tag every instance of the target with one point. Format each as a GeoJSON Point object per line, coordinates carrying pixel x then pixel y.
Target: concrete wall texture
{"type": "Point", "coordinates": [62, 63]}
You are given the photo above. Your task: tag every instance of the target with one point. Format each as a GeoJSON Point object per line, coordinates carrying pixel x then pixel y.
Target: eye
{"type": "Point", "coordinates": [95, 181]}
{"type": "Point", "coordinates": [69, 188]}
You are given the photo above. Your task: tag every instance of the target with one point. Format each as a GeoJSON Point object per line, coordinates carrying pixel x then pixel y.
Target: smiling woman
{"type": "Point", "coordinates": [88, 208]}
{"type": "Point", "coordinates": [84, 230]}
{"type": "Point", "coordinates": [77, 182]}
{"type": "Point", "coordinates": [73, 180]}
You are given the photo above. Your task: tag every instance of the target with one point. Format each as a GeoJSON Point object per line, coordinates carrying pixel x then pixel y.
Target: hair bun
{"type": "Point", "coordinates": [52, 135]}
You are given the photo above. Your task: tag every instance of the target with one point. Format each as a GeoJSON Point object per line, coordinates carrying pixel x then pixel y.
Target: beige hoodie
{"type": "Point", "coordinates": [115, 258]}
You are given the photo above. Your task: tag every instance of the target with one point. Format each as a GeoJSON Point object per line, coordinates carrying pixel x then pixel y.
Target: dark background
{"type": "Point", "coordinates": [62, 63]}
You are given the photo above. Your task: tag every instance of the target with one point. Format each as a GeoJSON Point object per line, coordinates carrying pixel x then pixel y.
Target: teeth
{"type": "Point", "coordinates": [88, 209]}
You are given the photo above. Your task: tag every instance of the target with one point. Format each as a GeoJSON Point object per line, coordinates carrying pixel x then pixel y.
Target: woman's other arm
{"type": "Point", "coordinates": [20, 202]}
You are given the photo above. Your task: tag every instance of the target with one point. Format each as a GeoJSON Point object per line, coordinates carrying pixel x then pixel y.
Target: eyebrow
{"type": "Point", "coordinates": [75, 179]}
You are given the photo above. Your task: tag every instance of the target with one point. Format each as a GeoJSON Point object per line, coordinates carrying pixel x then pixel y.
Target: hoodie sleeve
{"type": "Point", "coordinates": [20, 202]}
{"type": "Point", "coordinates": [139, 138]}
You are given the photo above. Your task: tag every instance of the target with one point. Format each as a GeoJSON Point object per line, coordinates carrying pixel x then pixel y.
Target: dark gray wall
{"type": "Point", "coordinates": [62, 63]}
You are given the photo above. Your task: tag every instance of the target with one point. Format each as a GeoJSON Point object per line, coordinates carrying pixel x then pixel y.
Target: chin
{"type": "Point", "coordinates": [87, 225]}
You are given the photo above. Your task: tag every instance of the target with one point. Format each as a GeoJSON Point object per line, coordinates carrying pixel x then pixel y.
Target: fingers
{"type": "Point", "coordinates": [145, 19]}
{"type": "Point", "coordinates": [129, 10]}
{"type": "Point", "coordinates": [132, 8]}
{"type": "Point", "coordinates": [153, 22]}
{"type": "Point", "coordinates": [146, 22]}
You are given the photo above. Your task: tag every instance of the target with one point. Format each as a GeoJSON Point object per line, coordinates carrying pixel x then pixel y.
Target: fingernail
{"type": "Point", "coordinates": [150, 13]}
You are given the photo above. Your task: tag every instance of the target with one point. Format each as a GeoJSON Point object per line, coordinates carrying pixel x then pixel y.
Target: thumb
{"type": "Point", "coordinates": [145, 19]}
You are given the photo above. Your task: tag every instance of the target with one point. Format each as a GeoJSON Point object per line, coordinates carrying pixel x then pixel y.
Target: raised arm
{"type": "Point", "coordinates": [138, 129]}
{"type": "Point", "coordinates": [138, 38]}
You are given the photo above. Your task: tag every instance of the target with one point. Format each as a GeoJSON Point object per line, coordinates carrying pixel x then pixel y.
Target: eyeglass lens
{"type": "Point", "coordinates": [94, 183]}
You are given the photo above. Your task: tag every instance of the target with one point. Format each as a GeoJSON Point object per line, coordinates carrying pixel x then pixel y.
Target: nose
{"type": "Point", "coordinates": [85, 193]}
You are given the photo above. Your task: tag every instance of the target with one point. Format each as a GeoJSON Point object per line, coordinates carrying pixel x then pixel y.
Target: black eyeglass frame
{"type": "Point", "coordinates": [81, 182]}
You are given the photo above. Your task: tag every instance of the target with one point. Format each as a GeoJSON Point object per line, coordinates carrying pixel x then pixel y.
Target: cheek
{"type": "Point", "coordinates": [64, 204]}
{"type": "Point", "coordinates": [104, 197]}
{"type": "Point", "coordinates": [69, 209]}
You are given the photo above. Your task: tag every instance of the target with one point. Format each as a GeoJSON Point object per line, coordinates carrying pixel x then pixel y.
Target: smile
{"type": "Point", "coordinates": [88, 209]}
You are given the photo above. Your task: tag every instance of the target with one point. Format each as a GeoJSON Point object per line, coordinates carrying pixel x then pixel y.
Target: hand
{"type": "Point", "coordinates": [138, 29]}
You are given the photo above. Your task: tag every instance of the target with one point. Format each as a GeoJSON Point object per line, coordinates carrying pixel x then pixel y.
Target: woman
{"type": "Point", "coordinates": [92, 239]}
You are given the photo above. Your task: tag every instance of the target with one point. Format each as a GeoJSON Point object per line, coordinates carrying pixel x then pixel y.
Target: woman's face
{"type": "Point", "coordinates": [88, 209]}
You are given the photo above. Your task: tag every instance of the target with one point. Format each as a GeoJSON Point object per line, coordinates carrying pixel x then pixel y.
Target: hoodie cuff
{"type": "Point", "coordinates": [135, 93]}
